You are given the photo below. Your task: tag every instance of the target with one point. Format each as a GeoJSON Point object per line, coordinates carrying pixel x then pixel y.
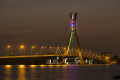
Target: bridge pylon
{"type": "Point", "coordinates": [73, 18]}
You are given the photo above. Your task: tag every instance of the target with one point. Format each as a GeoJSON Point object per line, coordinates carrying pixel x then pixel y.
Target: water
{"type": "Point", "coordinates": [59, 72]}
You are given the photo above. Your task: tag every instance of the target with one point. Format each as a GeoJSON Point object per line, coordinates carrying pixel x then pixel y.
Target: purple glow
{"type": "Point", "coordinates": [72, 25]}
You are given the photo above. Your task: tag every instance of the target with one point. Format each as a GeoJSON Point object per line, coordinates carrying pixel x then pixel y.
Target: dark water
{"type": "Point", "coordinates": [58, 72]}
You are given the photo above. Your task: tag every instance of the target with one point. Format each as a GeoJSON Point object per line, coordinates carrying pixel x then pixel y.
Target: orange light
{"type": "Point", "coordinates": [50, 65]}
{"type": "Point", "coordinates": [32, 65]}
{"type": "Point", "coordinates": [22, 46]}
{"type": "Point", "coordinates": [8, 66]}
{"type": "Point", "coordinates": [8, 46]}
{"type": "Point", "coordinates": [72, 21]}
{"type": "Point", "coordinates": [21, 66]}
{"type": "Point", "coordinates": [42, 65]}
{"type": "Point", "coordinates": [33, 47]}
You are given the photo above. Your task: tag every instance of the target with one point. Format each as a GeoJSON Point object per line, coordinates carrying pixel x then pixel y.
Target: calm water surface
{"type": "Point", "coordinates": [58, 72]}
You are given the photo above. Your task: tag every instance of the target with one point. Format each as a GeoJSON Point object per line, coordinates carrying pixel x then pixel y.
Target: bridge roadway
{"type": "Point", "coordinates": [41, 59]}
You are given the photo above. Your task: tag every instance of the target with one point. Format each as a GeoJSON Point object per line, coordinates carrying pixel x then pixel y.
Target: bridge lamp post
{"type": "Point", "coordinates": [93, 54]}
{"type": "Point", "coordinates": [99, 57]}
{"type": "Point", "coordinates": [32, 48]}
{"type": "Point", "coordinates": [8, 47]}
{"type": "Point", "coordinates": [53, 49]}
{"type": "Point", "coordinates": [64, 49]}
{"type": "Point", "coordinates": [40, 49]}
{"type": "Point", "coordinates": [89, 53]}
{"type": "Point", "coordinates": [21, 47]}
{"type": "Point", "coordinates": [49, 49]}
{"type": "Point", "coordinates": [57, 50]}
{"type": "Point", "coordinates": [96, 55]}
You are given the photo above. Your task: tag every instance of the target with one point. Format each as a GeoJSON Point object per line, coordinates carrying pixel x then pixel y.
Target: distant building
{"type": "Point", "coordinates": [115, 57]}
{"type": "Point", "coordinates": [107, 54]}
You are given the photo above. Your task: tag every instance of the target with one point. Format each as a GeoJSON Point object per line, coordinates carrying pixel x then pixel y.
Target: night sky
{"type": "Point", "coordinates": [43, 22]}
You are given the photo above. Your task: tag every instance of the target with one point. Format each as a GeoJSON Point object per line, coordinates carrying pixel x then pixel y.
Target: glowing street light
{"type": "Point", "coordinates": [32, 48]}
{"type": "Point", "coordinates": [93, 54]}
{"type": "Point", "coordinates": [21, 47]}
{"type": "Point", "coordinates": [89, 53]}
{"type": "Point", "coordinates": [49, 49]}
{"type": "Point", "coordinates": [41, 48]}
{"type": "Point", "coordinates": [8, 47]}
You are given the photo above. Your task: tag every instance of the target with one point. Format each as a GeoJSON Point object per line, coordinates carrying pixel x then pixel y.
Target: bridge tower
{"type": "Point", "coordinates": [73, 18]}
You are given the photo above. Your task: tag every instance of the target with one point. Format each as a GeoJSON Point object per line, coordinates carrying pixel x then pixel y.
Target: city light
{"type": "Point", "coordinates": [42, 65]}
{"type": "Point", "coordinates": [22, 66]}
{"type": "Point", "coordinates": [72, 21]}
{"type": "Point", "coordinates": [72, 29]}
{"type": "Point", "coordinates": [8, 66]}
{"type": "Point", "coordinates": [33, 47]}
{"type": "Point", "coordinates": [9, 46]}
{"type": "Point", "coordinates": [42, 48]}
{"type": "Point", "coordinates": [32, 66]}
{"type": "Point", "coordinates": [22, 46]}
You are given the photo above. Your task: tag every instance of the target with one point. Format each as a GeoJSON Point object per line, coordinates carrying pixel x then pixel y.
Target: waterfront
{"type": "Point", "coordinates": [59, 72]}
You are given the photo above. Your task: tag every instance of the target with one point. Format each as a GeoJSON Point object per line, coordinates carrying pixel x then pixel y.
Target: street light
{"type": "Point", "coordinates": [93, 54]}
{"type": "Point", "coordinates": [8, 47]}
{"type": "Point", "coordinates": [57, 50]}
{"type": "Point", "coordinates": [21, 47]}
{"type": "Point", "coordinates": [89, 53]}
{"type": "Point", "coordinates": [32, 48]}
{"type": "Point", "coordinates": [49, 49]}
{"type": "Point", "coordinates": [40, 49]}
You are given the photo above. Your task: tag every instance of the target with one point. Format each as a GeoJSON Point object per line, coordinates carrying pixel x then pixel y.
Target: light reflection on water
{"type": "Point", "coordinates": [58, 72]}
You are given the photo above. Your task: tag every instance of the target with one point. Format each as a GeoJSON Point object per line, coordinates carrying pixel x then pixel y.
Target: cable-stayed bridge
{"type": "Point", "coordinates": [72, 51]}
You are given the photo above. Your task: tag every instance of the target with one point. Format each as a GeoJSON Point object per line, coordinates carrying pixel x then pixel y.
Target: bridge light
{"type": "Point", "coordinates": [72, 25]}
{"type": "Point", "coordinates": [33, 47]}
{"type": "Point", "coordinates": [8, 66]}
{"type": "Point", "coordinates": [8, 46]}
{"type": "Point", "coordinates": [22, 46]}
{"type": "Point", "coordinates": [72, 29]}
{"type": "Point", "coordinates": [72, 21]}
{"type": "Point", "coordinates": [21, 66]}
